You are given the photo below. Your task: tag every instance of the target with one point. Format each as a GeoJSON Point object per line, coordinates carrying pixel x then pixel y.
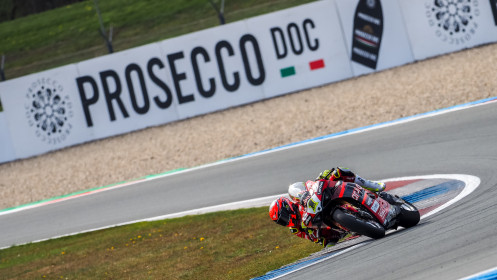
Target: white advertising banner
{"type": "Point", "coordinates": [125, 91]}
{"type": "Point", "coordinates": [187, 76]}
{"type": "Point", "coordinates": [437, 27]}
{"type": "Point", "coordinates": [301, 47]}
{"type": "Point", "coordinates": [6, 147]}
{"type": "Point", "coordinates": [214, 69]}
{"type": "Point", "coordinates": [231, 65]}
{"type": "Point", "coordinates": [375, 34]}
{"type": "Point", "coordinates": [42, 112]}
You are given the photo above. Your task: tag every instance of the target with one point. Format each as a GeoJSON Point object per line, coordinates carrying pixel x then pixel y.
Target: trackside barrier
{"type": "Point", "coordinates": [440, 27]}
{"type": "Point", "coordinates": [230, 65]}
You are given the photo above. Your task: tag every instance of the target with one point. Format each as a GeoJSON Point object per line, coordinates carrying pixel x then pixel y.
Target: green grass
{"type": "Point", "coordinates": [237, 244]}
{"type": "Point", "coordinates": [70, 34]}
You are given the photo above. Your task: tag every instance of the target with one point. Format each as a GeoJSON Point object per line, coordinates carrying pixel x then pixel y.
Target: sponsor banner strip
{"type": "Point", "coordinates": [256, 58]}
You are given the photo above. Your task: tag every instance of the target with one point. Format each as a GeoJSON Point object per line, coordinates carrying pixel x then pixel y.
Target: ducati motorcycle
{"type": "Point", "coordinates": [352, 209]}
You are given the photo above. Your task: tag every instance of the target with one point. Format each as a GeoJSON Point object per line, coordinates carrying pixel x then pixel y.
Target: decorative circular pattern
{"type": "Point", "coordinates": [453, 16]}
{"type": "Point", "coordinates": [48, 110]}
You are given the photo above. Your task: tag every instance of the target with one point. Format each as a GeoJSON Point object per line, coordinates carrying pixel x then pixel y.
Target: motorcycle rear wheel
{"type": "Point", "coordinates": [355, 224]}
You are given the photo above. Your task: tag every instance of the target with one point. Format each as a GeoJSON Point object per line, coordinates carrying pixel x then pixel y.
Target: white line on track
{"type": "Point", "coordinates": [257, 202]}
{"type": "Point", "coordinates": [471, 182]}
{"type": "Point", "coordinates": [484, 275]}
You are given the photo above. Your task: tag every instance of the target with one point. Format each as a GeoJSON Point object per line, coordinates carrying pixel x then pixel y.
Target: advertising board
{"type": "Point", "coordinates": [439, 27]}
{"type": "Point", "coordinates": [301, 47]}
{"type": "Point", "coordinates": [375, 34]}
{"type": "Point", "coordinates": [178, 78]}
{"type": "Point", "coordinates": [6, 148]}
{"type": "Point", "coordinates": [230, 65]}
{"type": "Point", "coordinates": [41, 112]}
{"type": "Point", "coordinates": [125, 91]}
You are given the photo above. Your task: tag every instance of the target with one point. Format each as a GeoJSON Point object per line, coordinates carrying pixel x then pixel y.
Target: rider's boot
{"type": "Point", "coordinates": [370, 185]}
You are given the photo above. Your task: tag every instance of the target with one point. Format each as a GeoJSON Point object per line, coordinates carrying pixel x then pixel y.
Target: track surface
{"type": "Point", "coordinates": [457, 242]}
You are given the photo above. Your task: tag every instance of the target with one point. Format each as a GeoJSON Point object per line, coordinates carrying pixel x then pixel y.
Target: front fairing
{"type": "Point", "coordinates": [312, 202]}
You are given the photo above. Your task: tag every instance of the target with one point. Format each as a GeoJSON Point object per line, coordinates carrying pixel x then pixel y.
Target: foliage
{"type": "Point", "coordinates": [12, 9]}
{"type": "Point", "coordinates": [71, 33]}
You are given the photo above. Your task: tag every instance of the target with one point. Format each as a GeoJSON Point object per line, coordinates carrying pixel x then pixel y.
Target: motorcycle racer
{"type": "Point", "coordinates": [300, 214]}
{"type": "Point", "coordinates": [288, 213]}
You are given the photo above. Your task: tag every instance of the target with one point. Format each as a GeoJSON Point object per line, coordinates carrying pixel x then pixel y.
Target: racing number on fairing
{"type": "Point", "coordinates": [312, 204]}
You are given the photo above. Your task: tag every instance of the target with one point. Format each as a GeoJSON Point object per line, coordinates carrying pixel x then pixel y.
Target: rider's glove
{"type": "Point", "coordinates": [325, 243]}
{"type": "Point", "coordinates": [335, 174]}
{"type": "Point", "coordinates": [326, 174]}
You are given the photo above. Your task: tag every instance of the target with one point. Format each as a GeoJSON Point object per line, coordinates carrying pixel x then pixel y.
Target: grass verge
{"type": "Point", "coordinates": [238, 244]}
{"type": "Point", "coordinates": [70, 34]}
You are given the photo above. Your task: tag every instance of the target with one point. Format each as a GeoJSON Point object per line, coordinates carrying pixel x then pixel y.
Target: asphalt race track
{"type": "Point", "coordinates": [456, 242]}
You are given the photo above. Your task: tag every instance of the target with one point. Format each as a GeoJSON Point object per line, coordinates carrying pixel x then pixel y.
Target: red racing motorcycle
{"type": "Point", "coordinates": [353, 209]}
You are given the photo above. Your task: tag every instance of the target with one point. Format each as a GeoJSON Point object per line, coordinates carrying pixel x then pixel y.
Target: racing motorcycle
{"type": "Point", "coordinates": [353, 209]}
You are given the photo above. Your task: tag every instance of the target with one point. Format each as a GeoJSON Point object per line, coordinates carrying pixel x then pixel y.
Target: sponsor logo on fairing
{"type": "Point", "coordinates": [369, 201]}
{"type": "Point", "coordinates": [383, 212]}
{"type": "Point", "coordinates": [454, 21]}
{"type": "Point", "coordinates": [306, 219]}
{"type": "Point", "coordinates": [318, 187]}
{"type": "Point", "coordinates": [375, 206]}
{"type": "Point", "coordinates": [48, 110]}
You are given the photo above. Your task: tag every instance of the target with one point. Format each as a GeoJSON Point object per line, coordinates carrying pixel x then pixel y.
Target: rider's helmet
{"type": "Point", "coordinates": [296, 190]}
{"type": "Point", "coordinates": [282, 211]}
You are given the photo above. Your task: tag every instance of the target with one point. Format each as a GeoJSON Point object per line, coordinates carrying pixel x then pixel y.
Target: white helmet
{"type": "Point", "coordinates": [296, 190]}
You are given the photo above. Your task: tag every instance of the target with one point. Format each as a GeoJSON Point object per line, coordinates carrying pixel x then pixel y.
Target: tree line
{"type": "Point", "coordinates": [12, 9]}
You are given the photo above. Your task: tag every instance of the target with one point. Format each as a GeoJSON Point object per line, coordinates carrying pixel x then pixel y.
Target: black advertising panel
{"type": "Point", "coordinates": [493, 4]}
{"type": "Point", "coordinates": [367, 33]}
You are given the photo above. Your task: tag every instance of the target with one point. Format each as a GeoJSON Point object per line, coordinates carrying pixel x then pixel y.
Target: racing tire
{"type": "Point", "coordinates": [355, 224]}
{"type": "Point", "coordinates": [409, 215]}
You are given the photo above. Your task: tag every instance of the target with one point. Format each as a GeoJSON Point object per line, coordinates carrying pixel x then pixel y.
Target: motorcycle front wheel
{"type": "Point", "coordinates": [409, 215]}
{"type": "Point", "coordinates": [358, 225]}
